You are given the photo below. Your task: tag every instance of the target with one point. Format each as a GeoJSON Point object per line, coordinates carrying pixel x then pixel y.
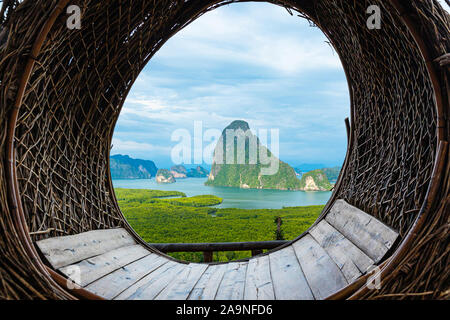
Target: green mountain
{"type": "Point", "coordinates": [198, 172]}
{"type": "Point", "coordinates": [179, 169]}
{"type": "Point", "coordinates": [164, 176]}
{"type": "Point", "coordinates": [332, 173]}
{"type": "Point", "coordinates": [124, 167]}
{"type": "Point", "coordinates": [245, 169]}
{"type": "Point", "coordinates": [179, 172]}
{"type": "Point", "coordinates": [315, 180]}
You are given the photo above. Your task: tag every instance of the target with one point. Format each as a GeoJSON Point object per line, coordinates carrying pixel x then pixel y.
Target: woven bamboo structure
{"type": "Point", "coordinates": [61, 92]}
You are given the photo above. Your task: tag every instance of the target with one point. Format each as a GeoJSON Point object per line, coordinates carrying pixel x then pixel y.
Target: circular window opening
{"type": "Point", "coordinates": [234, 132]}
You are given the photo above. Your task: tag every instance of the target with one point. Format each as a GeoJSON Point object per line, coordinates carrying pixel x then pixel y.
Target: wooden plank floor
{"type": "Point", "coordinates": [323, 276]}
{"type": "Point", "coordinates": [349, 258]}
{"type": "Point", "coordinates": [233, 282]}
{"type": "Point", "coordinates": [258, 282]}
{"type": "Point", "coordinates": [96, 267]}
{"type": "Point", "coordinates": [63, 251]}
{"type": "Point", "coordinates": [180, 288]}
{"type": "Point", "coordinates": [334, 253]}
{"type": "Point", "coordinates": [151, 285]}
{"type": "Point", "coordinates": [369, 234]}
{"type": "Point", "coordinates": [208, 284]}
{"type": "Point", "coordinates": [288, 279]}
{"type": "Point", "coordinates": [111, 285]}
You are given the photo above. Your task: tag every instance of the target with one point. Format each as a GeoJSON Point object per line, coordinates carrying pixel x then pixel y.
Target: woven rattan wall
{"type": "Point", "coordinates": [61, 92]}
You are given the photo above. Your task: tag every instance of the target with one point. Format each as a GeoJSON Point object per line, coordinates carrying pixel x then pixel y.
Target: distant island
{"type": "Point", "coordinates": [248, 176]}
{"type": "Point", "coordinates": [124, 167]}
{"type": "Point", "coordinates": [332, 173]}
{"type": "Point", "coordinates": [315, 180]}
{"type": "Point", "coordinates": [244, 176]}
{"type": "Point", "coordinates": [180, 172]}
{"type": "Point", "coordinates": [165, 176]}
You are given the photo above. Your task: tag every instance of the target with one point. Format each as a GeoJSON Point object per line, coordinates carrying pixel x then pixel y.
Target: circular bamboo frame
{"type": "Point", "coordinates": [62, 90]}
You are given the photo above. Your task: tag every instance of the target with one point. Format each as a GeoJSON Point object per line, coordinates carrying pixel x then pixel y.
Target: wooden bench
{"type": "Point", "coordinates": [332, 254]}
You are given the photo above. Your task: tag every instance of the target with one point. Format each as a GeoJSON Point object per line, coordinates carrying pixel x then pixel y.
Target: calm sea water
{"type": "Point", "coordinates": [233, 197]}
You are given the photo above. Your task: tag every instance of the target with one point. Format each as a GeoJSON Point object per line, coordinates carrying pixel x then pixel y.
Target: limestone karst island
{"type": "Point", "coordinates": [247, 175]}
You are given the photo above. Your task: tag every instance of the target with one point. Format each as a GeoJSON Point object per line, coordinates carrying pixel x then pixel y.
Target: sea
{"type": "Point", "coordinates": [233, 197]}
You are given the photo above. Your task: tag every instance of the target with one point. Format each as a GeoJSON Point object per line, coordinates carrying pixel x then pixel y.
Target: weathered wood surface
{"type": "Point", "coordinates": [150, 286]}
{"type": "Point", "coordinates": [233, 282]}
{"type": "Point", "coordinates": [183, 284]}
{"type": "Point", "coordinates": [370, 235]}
{"type": "Point", "coordinates": [208, 284]}
{"type": "Point", "coordinates": [118, 281]}
{"type": "Point", "coordinates": [335, 252]}
{"type": "Point", "coordinates": [289, 282]}
{"type": "Point", "coordinates": [258, 282]}
{"type": "Point", "coordinates": [89, 270]}
{"type": "Point", "coordinates": [63, 251]}
{"type": "Point", "coordinates": [322, 274]}
{"type": "Point", "coordinates": [348, 257]}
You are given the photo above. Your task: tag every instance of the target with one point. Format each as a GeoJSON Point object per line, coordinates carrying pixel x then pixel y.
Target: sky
{"type": "Point", "coordinates": [246, 61]}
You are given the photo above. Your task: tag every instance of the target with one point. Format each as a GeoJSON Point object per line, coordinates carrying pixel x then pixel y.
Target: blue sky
{"type": "Point", "coordinates": [249, 61]}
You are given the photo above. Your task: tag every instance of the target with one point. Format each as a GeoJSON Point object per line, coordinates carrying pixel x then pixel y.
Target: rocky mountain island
{"type": "Point", "coordinates": [248, 174]}
{"type": "Point", "coordinates": [124, 167]}
{"type": "Point", "coordinates": [165, 176]}
{"type": "Point", "coordinates": [198, 172]}
{"type": "Point", "coordinates": [315, 180]}
{"type": "Point", "coordinates": [180, 172]}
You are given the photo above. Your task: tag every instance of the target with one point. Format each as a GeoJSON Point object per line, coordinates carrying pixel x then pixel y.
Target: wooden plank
{"type": "Point", "coordinates": [289, 282]}
{"type": "Point", "coordinates": [258, 283]}
{"type": "Point", "coordinates": [233, 282]}
{"type": "Point", "coordinates": [182, 286]}
{"type": "Point", "coordinates": [323, 275]}
{"type": "Point", "coordinates": [348, 257]}
{"type": "Point", "coordinates": [89, 270]}
{"type": "Point", "coordinates": [208, 284]}
{"type": "Point", "coordinates": [370, 235]}
{"type": "Point", "coordinates": [114, 283]}
{"type": "Point", "coordinates": [150, 286]}
{"type": "Point", "coordinates": [63, 251]}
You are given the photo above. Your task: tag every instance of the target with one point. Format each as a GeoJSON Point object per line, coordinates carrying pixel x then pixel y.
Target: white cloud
{"type": "Point", "coordinates": [444, 5]}
{"type": "Point", "coordinates": [129, 146]}
{"type": "Point", "coordinates": [253, 37]}
{"type": "Point", "coordinates": [249, 61]}
{"type": "Point", "coordinates": [146, 104]}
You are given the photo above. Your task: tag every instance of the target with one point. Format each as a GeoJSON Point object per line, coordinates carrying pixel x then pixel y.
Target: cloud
{"type": "Point", "coordinates": [249, 61]}
{"type": "Point", "coordinates": [128, 146]}
{"type": "Point", "coordinates": [266, 37]}
{"type": "Point", "coordinates": [444, 5]}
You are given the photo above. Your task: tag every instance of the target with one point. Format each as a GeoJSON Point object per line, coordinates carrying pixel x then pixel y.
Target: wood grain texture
{"type": "Point", "coordinates": [63, 251]}
{"type": "Point", "coordinates": [289, 282]}
{"type": "Point", "coordinates": [114, 283]}
{"type": "Point", "coordinates": [336, 252]}
{"type": "Point", "coordinates": [208, 284]}
{"type": "Point", "coordinates": [258, 282]}
{"type": "Point", "coordinates": [348, 257]}
{"type": "Point", "coordinates": [89, 270]}
{"type": "Point", "coordinates": [180, 288]}
{"type": "Point", "coordinates": [151, 285]}
{"type": "Point", "coordinates": [322, 274]}
{"type": "Point", "coordinates": [370, 235]}
{"type": "Point", "coordinates": [233, 282]}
